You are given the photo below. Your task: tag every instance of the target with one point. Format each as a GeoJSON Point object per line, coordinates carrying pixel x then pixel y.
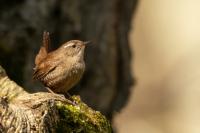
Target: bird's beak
{"type": "Point", "coordinates": [87, 42]}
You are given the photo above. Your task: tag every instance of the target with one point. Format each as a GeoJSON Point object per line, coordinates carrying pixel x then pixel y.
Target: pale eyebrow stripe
{"type": "Point", "coordinates": [68, 45]}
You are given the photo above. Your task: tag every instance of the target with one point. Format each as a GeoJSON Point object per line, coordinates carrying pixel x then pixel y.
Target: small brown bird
{"type": "Point", "coordinates": [61, 69]}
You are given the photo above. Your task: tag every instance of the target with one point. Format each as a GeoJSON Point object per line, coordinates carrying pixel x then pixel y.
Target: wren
{"type": "Point", "coordinates": [61, 69]}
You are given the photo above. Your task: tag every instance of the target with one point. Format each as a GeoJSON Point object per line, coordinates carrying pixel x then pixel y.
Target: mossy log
{"type": "Point", "coordinates": [21, 111]}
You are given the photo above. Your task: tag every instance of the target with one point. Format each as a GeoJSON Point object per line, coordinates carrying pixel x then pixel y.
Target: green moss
{"type": "Point", "coordinates": [81, 119]}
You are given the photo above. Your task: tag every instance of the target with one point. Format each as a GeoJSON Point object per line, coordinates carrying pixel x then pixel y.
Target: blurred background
{"type": "Point", "coordinates": [142, 70]}
{"type": "Point", "coordinates": [165, 40]}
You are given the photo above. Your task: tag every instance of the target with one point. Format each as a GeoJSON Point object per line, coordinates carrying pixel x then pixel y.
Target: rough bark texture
{"type": "Point", "coordinates": [106, 22]}
{"type": "Point", "coordinates": [45, 112]}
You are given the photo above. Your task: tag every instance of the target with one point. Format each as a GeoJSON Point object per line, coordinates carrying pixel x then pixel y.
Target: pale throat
{"type": "Point", "coordinates": [80, 56]}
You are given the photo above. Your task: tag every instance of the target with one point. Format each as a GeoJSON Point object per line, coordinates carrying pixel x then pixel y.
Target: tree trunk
{"type": "Point", "coordinates": [45, 112]}
{"type": "Point", "coordinates": [106, 83]}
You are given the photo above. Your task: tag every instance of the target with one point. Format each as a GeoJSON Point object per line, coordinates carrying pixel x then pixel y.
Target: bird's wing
{"type": "Point", "coordinates": [44, 49]}
{"type": "Point", "coordinates": [44, 68]}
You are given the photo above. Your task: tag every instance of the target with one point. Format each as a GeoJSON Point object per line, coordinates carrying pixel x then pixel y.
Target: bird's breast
{"type": "Point", "coordinates": [64, 79]}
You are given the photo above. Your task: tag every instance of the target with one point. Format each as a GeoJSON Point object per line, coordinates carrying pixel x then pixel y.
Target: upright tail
{"type": "Point", "coordinates": [44, 48]}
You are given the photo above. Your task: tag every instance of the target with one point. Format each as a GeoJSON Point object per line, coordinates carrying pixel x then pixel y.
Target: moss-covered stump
{"type": "Point", "coordinates": [81, 118]}
{"type": "Point", "coordinates": [45, 112]}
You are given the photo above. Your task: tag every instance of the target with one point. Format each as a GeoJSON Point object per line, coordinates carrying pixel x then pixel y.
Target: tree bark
{"type": "Point", "coordinates": [106, 23]}
{"type": "Point", "coordinates": [44, 112]}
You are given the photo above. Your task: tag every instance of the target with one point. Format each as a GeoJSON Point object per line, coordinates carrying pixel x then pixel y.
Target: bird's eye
{"type": "Point", "coordinates": [73, 46]}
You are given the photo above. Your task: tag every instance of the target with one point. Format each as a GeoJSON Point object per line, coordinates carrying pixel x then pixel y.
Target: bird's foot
{"type": "Point", "coordinates": [68, 96]}
{"type": "Point", "coordinates": [64, 99]}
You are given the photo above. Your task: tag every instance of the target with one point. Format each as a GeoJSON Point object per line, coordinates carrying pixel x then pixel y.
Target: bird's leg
{"type": "Point", "coordinates": [68, 95]}
{"type": "Point", "coordinates": [67, 100]}
{"type": "Point", "coordinates": [49, 90]}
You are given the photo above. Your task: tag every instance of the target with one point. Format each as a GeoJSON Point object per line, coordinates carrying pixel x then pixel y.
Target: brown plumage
{"type": "Point", "coordinates": [62, 68]}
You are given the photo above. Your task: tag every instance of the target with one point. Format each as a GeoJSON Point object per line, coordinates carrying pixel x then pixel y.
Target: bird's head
{"type": "Point", "coordinates": [74, 49]}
